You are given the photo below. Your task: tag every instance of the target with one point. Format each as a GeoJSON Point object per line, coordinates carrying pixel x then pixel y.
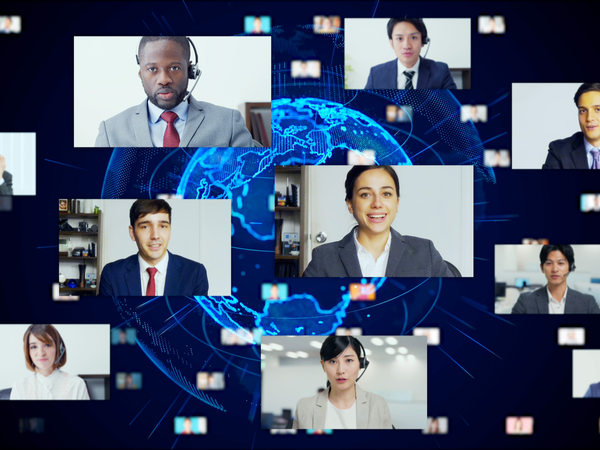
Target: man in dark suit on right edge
{"type": "Point", "coordinates": [409, 70]}
{"type": "Point", "coordinates": [557, 261]}
{"type": "Point", "coordinates": [153, 271]}
{"type": "Point", "coordinates": [5, 178]}
{"type": "Point", "coordinates": [582, 150]}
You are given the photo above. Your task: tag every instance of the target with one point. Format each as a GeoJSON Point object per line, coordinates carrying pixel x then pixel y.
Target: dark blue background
{"type": "Point", "coordinates": [527, 374]}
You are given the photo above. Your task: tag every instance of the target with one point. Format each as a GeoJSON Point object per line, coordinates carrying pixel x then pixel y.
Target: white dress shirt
{"type": "Point", "coordinates": [56, 386]}
{"type": "Point", "coordinates": [159, 277]}
{"type": "Point", "coordinates": [554, 306]}
{"type": "Point", "coordinates": [158, 126]}
{"type": "Point", "coordinates": [368, 266]}
{"type": "Point", "coordinates": [340, 419]}
{"type": "Point", "coordinates": [402, 77]}
{"type": "Point", "coordinates": [588, 148]}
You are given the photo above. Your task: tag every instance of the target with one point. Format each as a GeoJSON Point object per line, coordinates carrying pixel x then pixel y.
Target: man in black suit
{"type": "Point", "coordinates": [582, 150]}
{"type": "Point", "coordinates": [409, 71]}
{"type": "Point", "coordinates": [557, 261]}
{"type": "Point", "coordinates": [5, 178]}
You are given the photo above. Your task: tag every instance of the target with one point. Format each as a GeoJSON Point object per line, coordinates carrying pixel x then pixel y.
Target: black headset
{"type": "Point", "coordinates": [62, 348]}
{"type": "Point", "coordinates": [364, 362]}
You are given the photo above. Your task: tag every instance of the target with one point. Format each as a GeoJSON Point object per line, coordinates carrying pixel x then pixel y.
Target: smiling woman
{"type": "Point", "coordinates": [374, 248]}
{"type": "Point", "coordinates": [343, 405]}
{"type": "Point", "coordinates": [45, 353]}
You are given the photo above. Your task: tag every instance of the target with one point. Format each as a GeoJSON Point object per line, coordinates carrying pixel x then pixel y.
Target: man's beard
{"type": "Point", "coordinates": [154, 99]}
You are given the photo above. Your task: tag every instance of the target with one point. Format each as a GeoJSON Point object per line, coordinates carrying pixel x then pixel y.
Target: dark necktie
{"type": "Point", "coordinates": [151, 289]}
{"type": "Point", "coordinates": [596, 155]}
{"type": "Point", "coordinates": [171, 138]}
{"type": "Point", "coordinates": [409, 76]}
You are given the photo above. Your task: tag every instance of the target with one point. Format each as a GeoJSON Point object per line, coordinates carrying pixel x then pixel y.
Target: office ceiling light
{"type": "Point", "coordinates": [391, 340]}
{"type": "Point", "coordinates": [377, 341]}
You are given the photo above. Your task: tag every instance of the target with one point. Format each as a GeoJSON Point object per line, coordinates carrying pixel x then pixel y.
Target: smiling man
{"type": "Point", "coordinates": [170, 116]}
{"type": "Point", "coordinates": [582, 150]}
{"type": "Point", "coordinates": [409, 70]}
{"type": "Point", "coordinates": [154, 270]}
{"type": "Point", "coordinates": [557, 261]}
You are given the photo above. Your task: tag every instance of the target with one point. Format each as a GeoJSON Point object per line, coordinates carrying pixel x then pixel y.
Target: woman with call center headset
{"type": "Point", "coordinates": [343, 405]}
{"type": "Point", "coordinates": [373, 248]}
{"type": "Point", "coordinates": [45, 353]}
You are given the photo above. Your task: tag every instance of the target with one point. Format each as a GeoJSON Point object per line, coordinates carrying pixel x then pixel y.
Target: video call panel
{"type": "Point", "coordinates": [200, 154]}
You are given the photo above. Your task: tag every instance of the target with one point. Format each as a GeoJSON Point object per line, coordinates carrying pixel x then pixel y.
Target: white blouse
{"type": "Point", "coordinates": [56, 386]}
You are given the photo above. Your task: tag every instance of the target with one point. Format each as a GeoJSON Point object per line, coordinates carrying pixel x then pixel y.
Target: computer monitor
{"type": "Point", "coordinates": [521, 282]}
{"type": "Point", "coordinates": [500, 289]}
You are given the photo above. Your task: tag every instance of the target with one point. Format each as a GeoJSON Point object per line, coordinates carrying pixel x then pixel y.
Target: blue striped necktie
{"type": "Point", "coordinates": [409, 76]}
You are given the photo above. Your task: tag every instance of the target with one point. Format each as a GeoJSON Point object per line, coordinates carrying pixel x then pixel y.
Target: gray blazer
{"type": "Point", "coordinates": [207, 125]}
{"type": "Point", "coordinates": [372, 411]}
{"type": "Point", "coordinates": [536, 302]}
{"type": "Point", "coordinates": [409, 257]}
{"type": "Point", "coordinates": [6, 187]}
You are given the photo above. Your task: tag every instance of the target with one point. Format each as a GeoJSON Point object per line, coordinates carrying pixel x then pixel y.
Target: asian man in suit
{"type": "Point", "coordinates": [153, 271]}
{"type": "Point", "coordinates": [557, 261]}
{"type": "Point", "coordinates": [5, 178]}
{"type": "Point", "coordinates": [409, 71]}
{"type": "Point", "coordinates": [170, 116]}
{"type": "Point", "coordinates": [582, 150]}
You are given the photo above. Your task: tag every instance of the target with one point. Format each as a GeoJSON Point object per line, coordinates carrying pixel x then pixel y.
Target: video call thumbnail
{"type": "Point", "coordinates": [187, 425]}
{"type": "Point", "coordinates": [519, 425]}
{"type": "Point", "coordinates": [128, 381]}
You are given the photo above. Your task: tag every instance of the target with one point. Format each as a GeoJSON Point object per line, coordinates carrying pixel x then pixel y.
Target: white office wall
{"type": "Point", "coordinates": [88, 351]}
{"type": "Point", "coordinates": [541, 113]}
{"type": "Point", "coordinates": [200, 231]}
{"type": "Point", "coordinates": [235, 70]}
{"type": "Point", "coordinates": [367, 45]}
{"type": "Point", "coordinates": [586, 370]}
{"type": "Point", "coordinates": [18, 150]}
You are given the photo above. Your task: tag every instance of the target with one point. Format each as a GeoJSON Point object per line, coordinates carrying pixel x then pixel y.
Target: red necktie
{"type": "Point", "coordinates": [151, 289]}
{"type": "Point", "coordinates": [171, 138]}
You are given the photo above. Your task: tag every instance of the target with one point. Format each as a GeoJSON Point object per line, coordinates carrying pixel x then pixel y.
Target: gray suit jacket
{"type": "Point", "coordinates": [372, 411]}
{"type": "Point", "coordinates": [536, 302]}
{"type": "Point", "coordinates": [6, 187]}
{"type": "Point", "coordinates": [409, 257]}
{"type": "Point", "coordinates": [207, 125]}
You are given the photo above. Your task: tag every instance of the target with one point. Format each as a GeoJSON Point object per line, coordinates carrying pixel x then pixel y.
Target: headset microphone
{"type": "Point", "coordinates": [62, 351]}
{"type": "Point", "coordinates": [364, 362]}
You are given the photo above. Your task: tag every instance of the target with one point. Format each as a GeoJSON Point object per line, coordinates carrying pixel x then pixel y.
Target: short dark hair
{"type": "Point", "coordinates": [566, 250]}
{"type": "Point", "coordinates": [48, 335]}
{"type": "Point", "coordinates": [181, 40]}
{"type": "Point", "coordinates": [418, 24]}
{"type": "Point", "coordinates": [334, 345]}
{"type": "Point", "coordinates": [141, 208]}
{"type": "Point", "coordinates": [357, 171]}
{"type": "Point", "coordinates": [585, 87]}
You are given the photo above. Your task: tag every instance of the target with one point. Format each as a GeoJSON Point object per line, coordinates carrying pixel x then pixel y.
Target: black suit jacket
{"type": "Point", "coordinates": [184, 277]}
{"type": "Point", "coordinates": [536, 302]}
{"type": "Point", "coordinates": [567, 153]}
{"type": "Point", "coordinates": [409, 257]}
{"type": "Point", "coordinates": [6, 187]}
{"type": "Point", "coordinates": [432, 75]}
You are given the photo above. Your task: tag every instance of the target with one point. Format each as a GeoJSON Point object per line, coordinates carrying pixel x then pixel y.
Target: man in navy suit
{"type": "Point", "coordinates": [409, 70]}
{"type": "Point", "coordinates": [153, 271]}
{"type": "Point", "coordinates": [582, 150]}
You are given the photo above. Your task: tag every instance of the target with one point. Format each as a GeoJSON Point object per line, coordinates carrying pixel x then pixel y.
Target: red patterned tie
{"type": "Point", "coordinates": [171, 138]}
{"type": "Point", "coordinates": [151, 289]}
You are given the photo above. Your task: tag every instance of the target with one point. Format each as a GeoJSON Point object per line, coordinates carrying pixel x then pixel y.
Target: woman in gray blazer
{"type": "Point", "coordinates": [374, 248]}
{"type": "Point", "coordinates": [343, 405]}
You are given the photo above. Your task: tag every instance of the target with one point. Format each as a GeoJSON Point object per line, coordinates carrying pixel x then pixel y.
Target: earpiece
{"type": "Point", "coordinates": [364, 362]}
{"type": "Point", "coordinates": [62, 350]}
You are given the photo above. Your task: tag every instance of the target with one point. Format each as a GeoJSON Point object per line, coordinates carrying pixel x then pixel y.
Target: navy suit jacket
{"type": "Point", "coordinates": [593, 391]}
{"type": "Point", "coordinates": [6, 187]}
{"type": "Point", "coordinates": [409, 257]}
{"type": "Point", "coordinates": [184, 277]}
{"type": "Point", "coordinates": [536, 302]}
{"type": "Point", "coordinates": [567, 153]}
{"type": "Point", "coordinates": [432, 75]}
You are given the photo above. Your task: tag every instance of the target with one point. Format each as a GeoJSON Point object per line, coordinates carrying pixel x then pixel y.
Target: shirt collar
{"type": "Point", "coordinates": [588, 147]}
{"type": "Point", "coordinates": [361, 250]}
{"type": "Point", "coordinates": [401, 67]}
{"type": "Point", "coordinates": [154, 111]}
{"type": "Point", "coordinates": [562, 300]}
{"type": "Point", "coordinates": [161, 266]}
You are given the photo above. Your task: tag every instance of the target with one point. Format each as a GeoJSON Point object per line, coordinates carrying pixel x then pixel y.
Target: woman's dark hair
{"type": "Point", "coordinates": [334, 345]}
{"type": "Point", "coordinates": [585, 87]}
{"type": "Point", "coordinates": [566, 250]}
{"type": "Point", "coordinates": [357, 171]}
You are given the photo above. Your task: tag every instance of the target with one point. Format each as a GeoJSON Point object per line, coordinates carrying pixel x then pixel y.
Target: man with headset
{"type": "Point", "coordinates": [557, 261]}
{"type": "Point", "coordinates": [409, 71]}
{"type": "Point", "coordinates": [170, 116]}
{"type": "Point", "coordinates": [5, 178]}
